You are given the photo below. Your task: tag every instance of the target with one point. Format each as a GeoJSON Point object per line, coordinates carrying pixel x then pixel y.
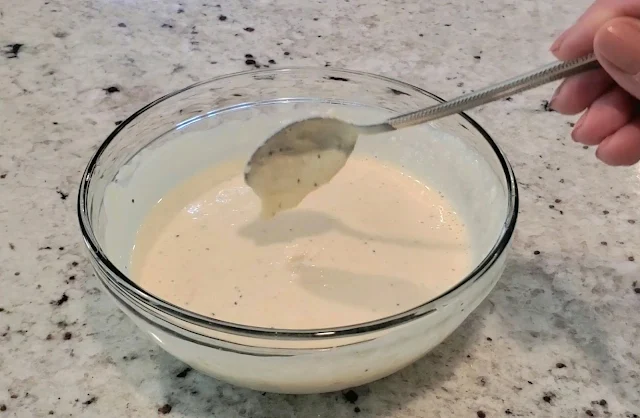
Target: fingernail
{"type": "Point", "coordinates": [555, 96]}
{"type": "Point", "coordinates": [555, 46]}
{"type": "Point", "coordinates": [575, 134]}
{"type": "Point", "coordinates": [620, 45]}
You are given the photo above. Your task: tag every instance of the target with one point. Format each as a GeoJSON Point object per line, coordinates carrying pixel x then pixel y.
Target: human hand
{"type": "Point", "coordinates": [611, 96]}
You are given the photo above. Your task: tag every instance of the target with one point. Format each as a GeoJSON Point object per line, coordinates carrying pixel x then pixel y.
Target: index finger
{"type": "Point", "coordinates": [578, 39]}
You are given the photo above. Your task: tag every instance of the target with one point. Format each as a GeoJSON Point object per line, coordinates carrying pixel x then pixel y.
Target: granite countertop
{"type": "Point", "coordinates": [558, 337]}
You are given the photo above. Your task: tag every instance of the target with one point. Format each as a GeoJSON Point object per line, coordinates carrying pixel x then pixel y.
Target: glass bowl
{"type": "Point", "coordinates": [474, 171]}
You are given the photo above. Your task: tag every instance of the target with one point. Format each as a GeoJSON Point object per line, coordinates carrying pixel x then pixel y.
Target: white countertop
{"type": "Point", "coordinates": [560, 332]}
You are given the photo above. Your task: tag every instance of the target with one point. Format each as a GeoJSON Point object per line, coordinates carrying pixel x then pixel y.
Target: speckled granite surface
{"type": "Point", "coordinates": [559, 336]}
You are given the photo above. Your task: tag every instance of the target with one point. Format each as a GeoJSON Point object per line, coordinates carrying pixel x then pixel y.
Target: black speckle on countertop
{"type": "Point", "coordinates": [250, 62]}
{"type": "Point", "coordinates": [64, 298]}
{"type": "Point", "coordinates": [63, 195]}
{"type": "Point", "coordinates": [111, 90]}
{"type": "Point", "coordinates": [3, 176]}
{"type": "Point", "coordinates": [545, 106]}
{"type": "Point", "coordinates": [91, 400]}
{"type": "Point", "coordinates": [481, 414]}
{"type": "Point", "coordinates": [477, 57]}
{"type": "Point", "coordinates": [548, 397]}
{"type": "Point", "coordinates": [560, 365]}
{"type": "Point", "coordinates": [184, 373]}
{"type": "Point", "coordinates": [398, 92]}
{"type": "Point", "coordinates": [248, 56]}
{"type": "Point", "coordinates": [118, 122]}
{"type": "Point", "coordinates": [60, 34]}
{"type": "Point", "coordinates": [350, 396]}
{"type": "Point", "coordinates": [12, 50]}
{"type": "Point", "coordinates": [287, 53]}
{"type": "Point", "coordinates": [12, 246]}
{"type": "Point", "coordinates": [272, 61]}
{"type": "Point", "coordinates": [222, 18]}
{"type": "Point", "coordinates": [165, 409]}
{"type": "Point", "coordinates": [67, 336]}
{"type": "Point", "coordinates": [337, 78]}
{"type": "Point", "coordinates": [356, 410]}
{"type": "Point", "coordinates": [180, 11]}
{"type": "Point", "coordinates": [167, 25]}
{"type": "Point", "coordinates": [122, 25]}
{"type": "Point", "coordinates": [3, 407]}
{"type": "Point", "coordinates": [589, 413]}
{"type": "Point", "coordinates": [508, 412]}
{"type": "Point", "coordinates": [249, 29]}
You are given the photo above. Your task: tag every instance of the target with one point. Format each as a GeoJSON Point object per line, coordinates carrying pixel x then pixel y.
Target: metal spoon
{"type": "Point", "coordinates": [307, 154]}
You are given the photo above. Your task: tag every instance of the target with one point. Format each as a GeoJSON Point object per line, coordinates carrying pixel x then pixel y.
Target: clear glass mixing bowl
{"type": "Point", "coordinates": [290, 360]}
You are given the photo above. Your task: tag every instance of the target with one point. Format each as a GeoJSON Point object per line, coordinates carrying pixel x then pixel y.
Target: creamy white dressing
{"type": "Point", "coordinates": [371, 243]}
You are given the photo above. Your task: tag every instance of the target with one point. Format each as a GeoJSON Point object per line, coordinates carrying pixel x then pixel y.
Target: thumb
{"type": "Point", "coordinates": [617, 47]}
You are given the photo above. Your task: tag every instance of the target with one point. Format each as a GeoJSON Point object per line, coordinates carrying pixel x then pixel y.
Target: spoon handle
{"type": "Point", "coordinates": [547, 74]}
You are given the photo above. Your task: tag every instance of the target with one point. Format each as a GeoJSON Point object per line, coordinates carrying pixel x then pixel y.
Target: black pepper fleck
{"type": "Point", "coordinates": [249, 29]}
{"type": "Point", "coordinates": [111, 89]}
{"type": "Point", "coordinates": [489, 339]}
{"type": "Point", "coordinates": [272, 61]}
{"type": "Point", "coordinates": [631, 258]}
{"type": "Point", "coordinates": [508, 412]}
{"type": "Point", "coordinates": [67, 336]}
{"type": "Point", "coordinates": [222, 18]}
{"type": "Point", "coordinates": [602, 402]}
{"type": "Point", "coordinates": [250, 62]}
{"type": "Point", "coordinates": [561, 365]}
{"type": "Point", "coordinates": [631, 221]}
{"type": "Point", "coordinates": [481, 414]}
{"type": "Point", "coordinates": [356, 410]}
{"type": "Point", "coordinates": [166, 25]}
{"type": "Point", "coordinates": [118, 122]}
{"type": "Point", "coordinates": [90, 400]}
{"type": "Point", "coordinates": [536, 252]}
{"type": "Point", "coordinates": [287, 53]}
{"type": "Point", "coordinates": [122, 25]}
{"type": "Point", "coordinates": [62, 194]}
{"type": "Point", "coordinates": [546, 107]}
{"type": "Point", "coordinates": [477, 57]}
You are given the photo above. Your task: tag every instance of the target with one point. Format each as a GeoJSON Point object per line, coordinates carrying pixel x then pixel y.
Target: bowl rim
{"type": "Point", "coordinates": [172, 310]}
